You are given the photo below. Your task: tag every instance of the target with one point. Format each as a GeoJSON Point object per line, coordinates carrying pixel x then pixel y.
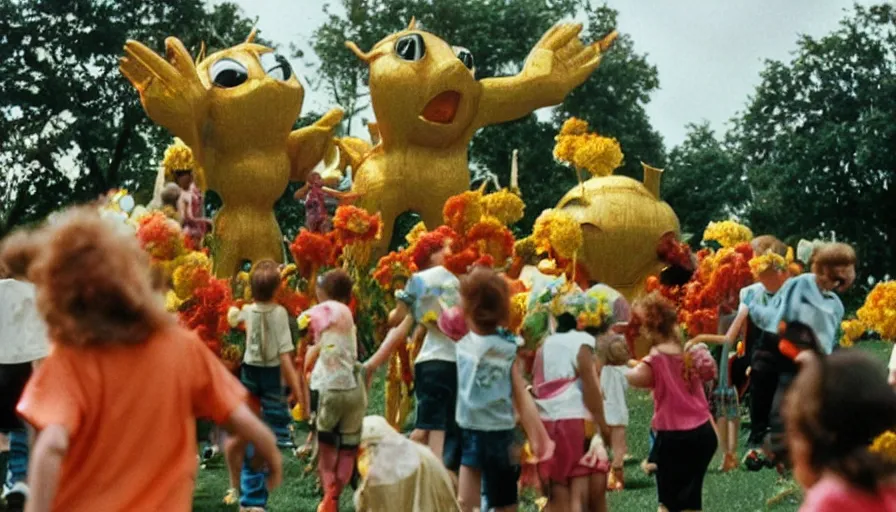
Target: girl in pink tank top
{"type": "Point", "coordinates": [685, 439]}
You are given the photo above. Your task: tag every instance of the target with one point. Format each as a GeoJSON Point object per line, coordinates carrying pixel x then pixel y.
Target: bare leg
{"type": "Point", "coordinates": [437, 442]}
{"type": "Point", "coordinates": [597, 492]}
{"type": "Point", "coordinates": [469, 492]}
{"type": "Point", "coordinates": [733, 430]}
{"type": "Point", "coordinates": [234, 452]}
{"type": "Point", "coordinates": [559, 498]}
{"type": "Point", "coordinates": [617, 441]}
{"type": "Point", "coordinates": [722, 433]}
{"type": "Point", "coordinates": [579, 494]}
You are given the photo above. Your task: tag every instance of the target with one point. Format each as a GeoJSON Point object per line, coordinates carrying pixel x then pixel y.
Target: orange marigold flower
{"type": "Point", "coordinates": [353, 224]}
{"type": "Point", "coordinates": [492, 238]}
{"type": "Point", "coordinates": [160, 237]}
{"type": "Point", "coordinates": [394, 268]}
{"type": "Point", "coordinates": [463, 210]}
{"type": "Point", "coordinates": [312, 249]}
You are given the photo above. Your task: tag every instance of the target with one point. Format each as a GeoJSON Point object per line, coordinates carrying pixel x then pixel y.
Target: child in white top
{"type": "Point", "coordinates": [23, 338]}
{"type": "Point", "coordinates": [268, 355]}
{"type": "Point", "coordinates": [613, 385]}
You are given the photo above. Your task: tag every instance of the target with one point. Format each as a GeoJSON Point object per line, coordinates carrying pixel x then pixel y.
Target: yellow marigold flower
{"type": "Point", "coordinates": [885, 445]}
{"type": "Point", "coordinates": [770, 260]}
{"type": "Point", "coordinates": [297, 413]}
{"type": "Point", "coordinates": [430, 317]}
{"type": "Point", "coordinates": [574, 126]}
{"type": "Point", "coordinates": [463, 210]}
{"type": "Point", "coordinates": [879, 311]}
{"type": "Point", "coordinates": [172, 301]}
{"type": "Point", "coordinates": [727, 233]}
{"type": "Point", "coordinates": [518, 306]}
{"type": "Point", "coordinates": [505, 206]}
{"type": "Point", "coordinates": [178, 157]}
{"type": "Point", "coordinates": [191, 271]}
{"type": "Point", "coordinates": [565, 148]}
{"type": "Point", "coordinates": [600, 156]}
{"type": "Point", "coordinates": [527, 250]}
{"type": "Point", "coordinates": [303, 322]}
{"type": "Point", "coordinates": [415, 233]}
{"type": "Point", "coordinates": [559, 231]}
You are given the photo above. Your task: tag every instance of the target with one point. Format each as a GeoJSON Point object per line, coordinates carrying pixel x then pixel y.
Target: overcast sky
{"type": "Point", "coordinates": [709, 52]}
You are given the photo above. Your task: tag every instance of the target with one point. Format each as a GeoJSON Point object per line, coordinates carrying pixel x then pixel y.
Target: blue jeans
{"type": "Point", "coordinates": [263, 383]}
{"type": "Point", "coordinates": [17, 466]}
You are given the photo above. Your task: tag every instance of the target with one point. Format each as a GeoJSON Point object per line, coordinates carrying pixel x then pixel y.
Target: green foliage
{"type": "Point", "coordinates": [71, 126]}
{"type": "Point", "coordinates": [817, 140]}
{"type": "Point", "coordinates": [702, 182]}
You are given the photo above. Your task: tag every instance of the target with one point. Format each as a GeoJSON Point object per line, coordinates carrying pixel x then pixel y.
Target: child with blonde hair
{"type": "Point", "coordinates": [614, 384]}
{"type": "Point", "coordinates": [117, 354]}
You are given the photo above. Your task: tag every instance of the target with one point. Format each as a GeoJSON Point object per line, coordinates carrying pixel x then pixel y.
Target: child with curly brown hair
{"type": "Point", "coordinates": [491, 392]}
{"type": "Point", "coordinates": [685, 438]}
{"type": "Point", "coordinates": [117, 354]}
{"type": "Point", "coordinates": [834, 409]}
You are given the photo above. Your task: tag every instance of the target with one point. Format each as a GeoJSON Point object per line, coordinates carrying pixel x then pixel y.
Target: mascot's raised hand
{"type": "Point", "coordinates": [170, 90]}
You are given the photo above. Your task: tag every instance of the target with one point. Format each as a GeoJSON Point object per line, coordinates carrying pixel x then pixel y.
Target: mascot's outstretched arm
{"type": "Point", "coordinates": [557, 64]}
{"type": "Point", "coordinates": [309, 145]}
{"type": "Point", "coordinates": [170, 90]}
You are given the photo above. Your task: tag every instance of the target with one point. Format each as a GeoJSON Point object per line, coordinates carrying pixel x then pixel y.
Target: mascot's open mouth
{"type": "Point", "coordinates": [442, 108]}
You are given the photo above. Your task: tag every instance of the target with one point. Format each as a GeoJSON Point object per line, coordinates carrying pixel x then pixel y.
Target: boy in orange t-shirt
{"type": "Point", "coordinates": [116, 402]}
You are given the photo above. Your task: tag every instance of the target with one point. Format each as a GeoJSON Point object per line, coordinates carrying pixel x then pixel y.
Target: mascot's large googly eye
{"type": "Point", "coordinates": [410, 47]}
{"type": "Point", "coordinates": [276, 66]}
{"type": "Point", "coordinates": [465, 56]}
{"type": "Point", "coordinates": [228, 73]}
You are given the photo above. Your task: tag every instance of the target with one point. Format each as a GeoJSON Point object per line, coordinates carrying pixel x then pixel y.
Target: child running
{"type": "Point", "coordinates": [613, 385]}
{"type": "Point", "coordinates": [117, 354]}
{"type": "Point", "coordinates": [336, 377]}
{"type": "Point", "coordinates": [685, 439]}
{"type": "Point", "coordinates": [834, 408]}
{"type": "Point", "coordinates": [23, 337]}
{"type": "Point", "coordinates": [267, 359]}
{"type": "Point", "coordinates": [491, 388]}
{"type": "Point", "coordinates": [567, 390]}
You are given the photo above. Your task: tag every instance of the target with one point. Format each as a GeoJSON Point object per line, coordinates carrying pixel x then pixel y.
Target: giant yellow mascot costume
{"type": "Point", "coordinates": [428, 105]}
{"type": "Point", "coordinates": [235, 109]}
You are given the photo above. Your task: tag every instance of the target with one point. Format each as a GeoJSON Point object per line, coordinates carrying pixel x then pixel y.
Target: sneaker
{"type": "Point", "coordinates": [755, 461]}
{"type": "Point", "coordinates": [232, 497]}
{"type": "Point", "coordinates": [16, 496]}
{"type": "Point", "coordinates": [209, 452]}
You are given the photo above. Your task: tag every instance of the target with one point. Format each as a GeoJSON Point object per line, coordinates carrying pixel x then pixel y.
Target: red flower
{"type": "Point", "coordinates": [393, 267]}
{"type": "Point", "coordinates": [431, 243]}
{"type": "Point", "coordinates": [206, 312]}
{"type": "Point", "coordinates": [292, 300]}
{"type": "Point", "coordinates": [312, 250]}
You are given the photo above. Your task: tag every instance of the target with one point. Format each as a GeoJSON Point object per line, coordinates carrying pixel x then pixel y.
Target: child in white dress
{"type": "Point", "coordinates": [613, 385]}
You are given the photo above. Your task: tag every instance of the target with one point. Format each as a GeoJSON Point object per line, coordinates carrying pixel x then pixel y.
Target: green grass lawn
{"type": "Point", "coordinates": [739, 491]}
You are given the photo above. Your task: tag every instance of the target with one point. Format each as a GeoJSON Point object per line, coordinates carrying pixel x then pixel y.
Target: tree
{"type": "Point", "coordinates": [703, 182]}
{"type": "Point", "coordinates": [70, 125]}
{"type": "Point", "coordinates": [500, 34]}
{"type": "Point", "coordinates": [817, 140]}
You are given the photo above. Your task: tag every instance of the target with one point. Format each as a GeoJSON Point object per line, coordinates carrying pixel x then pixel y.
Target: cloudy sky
{"type": "Point", "coordinates": [709, 52]}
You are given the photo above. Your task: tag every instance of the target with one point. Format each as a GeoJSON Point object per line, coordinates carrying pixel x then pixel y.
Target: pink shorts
{"type": "Point", "coordinates": [571, 446]}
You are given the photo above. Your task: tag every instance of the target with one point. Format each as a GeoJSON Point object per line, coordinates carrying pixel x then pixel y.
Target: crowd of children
{"type": "Point", "coordinates": [115, 402]}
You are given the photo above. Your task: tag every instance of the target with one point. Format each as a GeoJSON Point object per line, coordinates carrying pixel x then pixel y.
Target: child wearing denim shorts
{"type": "Point", "coordinates": [490, 389]}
